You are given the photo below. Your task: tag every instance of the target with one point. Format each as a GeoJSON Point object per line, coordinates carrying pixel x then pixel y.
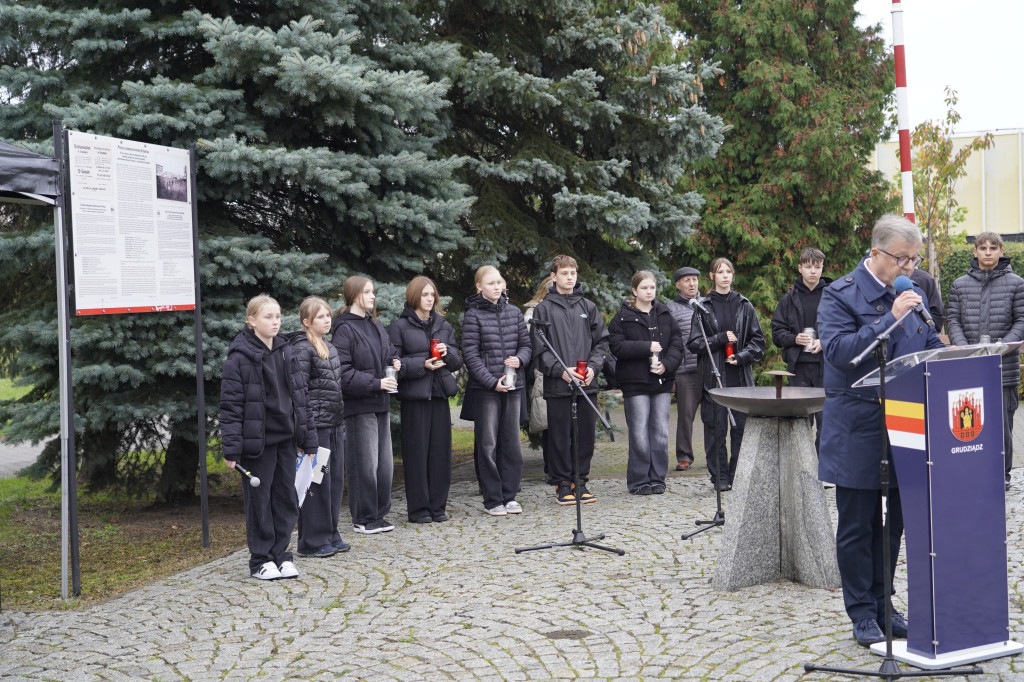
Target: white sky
{"type": "Point", "coordinates": [977, 47]}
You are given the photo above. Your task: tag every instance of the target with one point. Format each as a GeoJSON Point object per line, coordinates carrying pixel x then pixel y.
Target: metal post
{"type": "Point", "coordinates": [69, 479]}
{"type": "Point", "coordinates": [200, 378]}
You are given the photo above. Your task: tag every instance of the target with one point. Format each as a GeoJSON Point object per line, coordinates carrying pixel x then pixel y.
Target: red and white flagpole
{"type": "Point", "coordinates": [902, 110]}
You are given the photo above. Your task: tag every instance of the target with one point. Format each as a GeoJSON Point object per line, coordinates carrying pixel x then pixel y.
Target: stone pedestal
{"type": "Point", "coordinates": [776, 520]}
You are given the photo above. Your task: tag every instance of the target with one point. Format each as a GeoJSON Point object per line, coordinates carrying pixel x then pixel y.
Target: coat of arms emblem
{"type": "Point", "coordinates": [966, 408]}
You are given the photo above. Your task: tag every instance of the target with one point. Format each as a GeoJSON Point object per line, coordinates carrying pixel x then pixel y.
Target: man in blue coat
{"type": "Point", "coordinates": [853, 311]}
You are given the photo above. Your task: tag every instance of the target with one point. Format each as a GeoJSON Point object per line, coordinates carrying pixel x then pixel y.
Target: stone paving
{"type": "Point", "coordinates": [453, 601]}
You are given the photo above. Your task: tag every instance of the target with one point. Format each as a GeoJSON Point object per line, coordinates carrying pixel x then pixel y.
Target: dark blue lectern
{"type": "Point", "coordinates": [944, 418]}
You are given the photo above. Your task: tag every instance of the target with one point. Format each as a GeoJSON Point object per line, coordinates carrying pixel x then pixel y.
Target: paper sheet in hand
{"type": "Point", "coordinates": [321, 463]}
{"type": "Point", "coordinates": [303, 476]}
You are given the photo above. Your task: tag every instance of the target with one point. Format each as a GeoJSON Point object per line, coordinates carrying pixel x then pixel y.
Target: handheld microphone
{"type": "Point", "coordinates": [903, 283]}
{"type": "Point", "coordinates": [254, 481]}
{"type": "Point", "coordinates": [694, 303]}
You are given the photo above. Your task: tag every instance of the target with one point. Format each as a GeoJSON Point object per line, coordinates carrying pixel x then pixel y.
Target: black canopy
{"type": "Point", "coordinates": [26, 176]}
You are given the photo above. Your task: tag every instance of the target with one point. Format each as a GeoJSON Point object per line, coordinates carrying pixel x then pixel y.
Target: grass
{"type": "Point", "coordinates": [9, 391]}
{"type": "Point", "coordinates": [123, 543]}
{"type": "Point", "coordinates": [148, 540]}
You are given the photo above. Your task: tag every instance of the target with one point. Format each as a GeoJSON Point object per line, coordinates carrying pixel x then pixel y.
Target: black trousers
{"type": "Point", "coordinates": [1009, 408]}
{"type": "Point", "coordinates": [318, 515]}
{"type": "Point", "coordinates": [271, 509]}
{"type": "Point", "coordinates": [560, 437]}
{"type": "Point", "coordinates": [859, 548]}
{"type": "Point", "coordinates": [714, 438]}
{"type": "Point", "coordinates": [811, 375]}
{"type": "Point", "coordinates": [426, 456]}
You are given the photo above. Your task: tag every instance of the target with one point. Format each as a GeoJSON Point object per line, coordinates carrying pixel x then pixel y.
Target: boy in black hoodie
{"type": "Point", "coordinates": [797, 312]}
{"type": "Point", "coordinates": [576, 330]}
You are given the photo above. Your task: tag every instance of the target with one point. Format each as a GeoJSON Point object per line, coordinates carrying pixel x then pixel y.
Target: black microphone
{"type": "Point", "coordinates": [694, 303]}
{"type": "Point", "coordinates": [540, 323]}
{"type": "Point", "coordinates": [903, 283]}
{"type": "Point", "coordinates": [254, 481]}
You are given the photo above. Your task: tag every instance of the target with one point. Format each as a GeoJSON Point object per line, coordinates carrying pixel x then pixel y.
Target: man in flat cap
{"type": "Point", "coordinates": [688, 384]}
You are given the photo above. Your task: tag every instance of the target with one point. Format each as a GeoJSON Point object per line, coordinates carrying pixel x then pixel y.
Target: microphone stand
{"type": "Point", "coordinates": [890, 669]}
{"type": "Point", "coordinates": [719, 517]}
{"type": "Point", "coordinates": [579, 540]}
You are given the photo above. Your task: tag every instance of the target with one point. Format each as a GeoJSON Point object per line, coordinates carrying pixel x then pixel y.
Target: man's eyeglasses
{"type": "Point", "coordinates": [903, 260]}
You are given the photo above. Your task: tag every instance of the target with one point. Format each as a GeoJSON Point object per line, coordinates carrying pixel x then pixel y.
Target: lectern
{"type": "Point", "coordinates": [944, 418]}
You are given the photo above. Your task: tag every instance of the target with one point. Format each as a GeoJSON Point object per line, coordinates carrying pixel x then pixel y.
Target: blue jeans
{"type": "Point", "coordinates": [370, 464]}
{"type": "Point", "coordinates": [500, 461]}
{"type": "Point", "coordinates": [647, 421]}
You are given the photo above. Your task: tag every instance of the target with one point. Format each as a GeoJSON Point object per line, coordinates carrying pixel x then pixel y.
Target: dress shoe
{"type": "Point", "coordinates": [683, 466]}
{"type": "Point", "coordinates": [899, 624]}
{"type": "Point", "coordinates": [723, 486]}
{"type": "Point", "coordinates": [867, 632]}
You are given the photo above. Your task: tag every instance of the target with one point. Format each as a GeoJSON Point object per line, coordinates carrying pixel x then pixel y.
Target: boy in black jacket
{"type": "Point", "coordinates": [796, 313]}
{"type": "Point", "coordinates": [576, 330]}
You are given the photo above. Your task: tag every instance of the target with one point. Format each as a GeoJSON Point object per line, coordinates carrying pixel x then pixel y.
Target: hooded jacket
{"type": "Point", "coordinates": [576, 330]}
{"type": "Point", "coordinates": [492, 332]}
{"type": "Point", "coordinates": [787, 321]}
{"type": "Point", "coordinates": [411, 337]}
{"type": "Point", "coordinates": [630, 334]}
{"type": "Point", "coordinates": [749, 345]}
{"type": "Point", "coordinates": [243, 397]}
{"type": "Point", "coordinates": [323, 378]}
{"type": "Point", "coordinates": [364, 350]}
{"type": "Point", "coordinates": [988, 302]}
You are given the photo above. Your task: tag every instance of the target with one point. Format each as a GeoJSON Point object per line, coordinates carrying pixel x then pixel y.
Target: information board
{"type": "Point", "coordinates": [131, 217]}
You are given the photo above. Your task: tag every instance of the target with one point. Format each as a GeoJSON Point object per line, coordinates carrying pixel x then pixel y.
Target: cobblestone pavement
{"type": "Point", "coordinates": [453, 601]}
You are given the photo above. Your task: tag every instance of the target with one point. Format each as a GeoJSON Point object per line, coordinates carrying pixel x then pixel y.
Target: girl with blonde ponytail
{"type": "Point", "coordinates": [320, 364]}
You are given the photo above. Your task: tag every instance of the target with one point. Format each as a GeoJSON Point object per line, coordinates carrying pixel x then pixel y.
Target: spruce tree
{"type": "Point", "coordinates": [316, 123]}
{"type": "Point", "coordinates": [804, 91]}
{"type": "Point", "coordinates": [578, 122]}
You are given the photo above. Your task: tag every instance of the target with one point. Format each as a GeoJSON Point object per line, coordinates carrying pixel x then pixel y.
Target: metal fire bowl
{"type": "Point", "coordinates": [761, 401]}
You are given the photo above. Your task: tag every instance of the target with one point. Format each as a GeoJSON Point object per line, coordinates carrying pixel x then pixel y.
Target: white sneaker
{"type": "Point", "coordinates": [267, 571]}
{"type": "Point", "coordinates": [288, 570]}
{"type": "Point", "coordinates": [514, 507]}
{"type": "Point", "coordinates": [497, 511]}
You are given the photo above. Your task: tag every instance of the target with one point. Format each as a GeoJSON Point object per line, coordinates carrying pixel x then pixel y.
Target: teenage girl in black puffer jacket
{"type": "Point", "coordinates": [495, 340]}
{"type": "Point", "coordinates": [648, 349]}
{"type": "Point", "coordinates": [263, 419]}
{"type": "Point", "coordinates": [319, 361]}
{"type": "Point", "coordinates": [426, 346]}
{"type": "Point", "coordinates": [366, 354]}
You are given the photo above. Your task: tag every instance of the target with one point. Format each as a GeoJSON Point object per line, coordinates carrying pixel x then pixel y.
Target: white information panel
{"type": "Point", "coordinates": [131, 217]}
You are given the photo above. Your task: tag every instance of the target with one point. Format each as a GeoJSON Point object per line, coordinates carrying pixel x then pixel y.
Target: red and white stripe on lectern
{"type": "Point", "coordinates": [902, 110]}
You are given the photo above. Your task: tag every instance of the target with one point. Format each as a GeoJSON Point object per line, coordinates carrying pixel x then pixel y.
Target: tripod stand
{"type": "Point", "coordinates": [889, 670]}
{"type": "Point", "coordinates": [719, 518]}
{"type": "Point", "coordinates": [579, 539]}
